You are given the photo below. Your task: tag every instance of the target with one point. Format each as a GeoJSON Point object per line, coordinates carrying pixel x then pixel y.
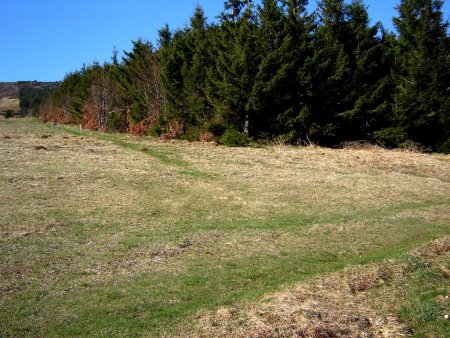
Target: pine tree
{"type": "Point", "coordinates": [164, 37]}
{"type": "Point", "coordinates": [235, 8]}
{"type": "Point", "coordinates": [330, 75]}
{"type": "Point", "coordinates": [195, 72]}
{"type": "Point", "coordinates": [185, 60]}
{"type": "Point", "coordinates": [322, 78]}
{"type": "Point", "coordinates": [423, 72]}
{"type": "Point", "coordinates": [172, 56]}
{"type": "Point", "coordinates": [140, 78]}
{"type": "Point", "coordinates": [371, 56]}
{"type": "Point", "coordinates": [265, 97]}
{"type": "Point", "coordinates": [231, 79]}
{"type": "Point", "coordinates": [280, 91]}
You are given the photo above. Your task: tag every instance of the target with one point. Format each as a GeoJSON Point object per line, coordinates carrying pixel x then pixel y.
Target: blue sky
{"type": "Point", "coordinates": [46, 39]}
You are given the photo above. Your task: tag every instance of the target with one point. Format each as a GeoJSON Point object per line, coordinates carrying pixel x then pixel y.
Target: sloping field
{"type": "Point", "coordinates": [7, 103]}
{"type": "Point", "coordinates": [110, 235]}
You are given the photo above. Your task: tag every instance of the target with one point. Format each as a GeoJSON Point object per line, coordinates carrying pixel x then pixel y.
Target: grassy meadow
{"type": "Point", "coordinates": [114, 235]}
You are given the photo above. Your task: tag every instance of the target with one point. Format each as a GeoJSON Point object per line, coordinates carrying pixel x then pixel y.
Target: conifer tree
{"type": "Point", "coordinates": [164, 38]}
{"type": "Point", "coordinates": [234, 8]}
{"type": "Point", "coordinates": [140, 78]}
{"type": "Point", "coordinates": [231, 79]}
{"type": "Point", "coordinates": [370, 54]}
{"type": "Point", "coordinates": [185, 59]}
{"type": "Point", "coordinates": [266, 92]}
{"type": "Point", "coordinates": [330, 75]}
{"type": "Point", "coordinates": [280, 89]}
{"type": "Point", "coordinates": [172, 58]}
{"type": "Point", "coordinates": [423, 72]}
{"type": "Point", "coordinates": [278, 71]}
{"type": "Point", "coordinates": [195, 72]}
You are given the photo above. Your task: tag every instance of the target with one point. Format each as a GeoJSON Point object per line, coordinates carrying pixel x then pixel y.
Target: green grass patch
{"type": "Point", "coordinates": [423, 306]}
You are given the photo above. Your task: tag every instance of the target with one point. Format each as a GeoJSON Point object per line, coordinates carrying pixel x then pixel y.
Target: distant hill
{"type": "Point", "coordinates": [11, 89]}
{"type": "Point", "coordinates": [37, 84]}
{"type": "Point", "coordinates": [9, 92]}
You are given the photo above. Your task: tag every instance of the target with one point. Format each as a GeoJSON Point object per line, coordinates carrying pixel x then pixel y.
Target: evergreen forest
{"type": "Point", "coordinates": [273, 71]}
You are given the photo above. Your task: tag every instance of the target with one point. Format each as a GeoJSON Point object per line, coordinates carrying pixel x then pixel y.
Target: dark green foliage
{"type": "Point", "coordinates": [422, 71]}
{"type": "Point", "coordinates": [233, 138]}
{"type": "Point", "coordinates": [445, 147]}
{"type": "Point", "coordinates": [172, 58]}
{"type": "Point", "coordinates": [195, 73]}
{"type": "Point", "coordinates": [351, 84]}
{"type": "Point", "coordinates": [74, 91]}
{"type": "Point", "coordinates": [32, 97]}
{"type": "Point", "coordinates": [231, 79]}
{"type": "Point", "coordinates": [371, 57]}
{"type": "Point", "coordinates": [280, 91]}
{"type": "Point", "coordinates": [273, 70]}
{"type": "Point", "coordinates": [185, 60]}
{"type": "Point", "coordinates": [139, 77]}
{"type": "Point", "coordinates": [192, 134]}
{"type": "Point", "coordinates": [330, 77]}
{"type": "Point", "coordinates": [391, 137]}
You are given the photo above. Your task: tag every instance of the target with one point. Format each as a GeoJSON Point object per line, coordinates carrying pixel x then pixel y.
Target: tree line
{"type": "Point", "coordinates": [273, 70]}
{"type": "Point", "coordinates": [31, 95]}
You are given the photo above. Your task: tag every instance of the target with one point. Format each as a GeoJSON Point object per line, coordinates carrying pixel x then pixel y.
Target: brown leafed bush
{"type": "Point", "coordinates": [89, 119]}
{"type": "Point", "coordinates": [56, 115]}
{"type": "Point", "coordinates": [138, 129]}
{"type": "Point", "coordinates": [141, 128]}
{"type": "Point", "coordinates": [206, 136]}
{"type": "Point", "coordinates": [174, 131]}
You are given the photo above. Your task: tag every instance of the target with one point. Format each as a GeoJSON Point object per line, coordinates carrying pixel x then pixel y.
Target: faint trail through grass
{"type": "Point", "coordinates": [152, 151]}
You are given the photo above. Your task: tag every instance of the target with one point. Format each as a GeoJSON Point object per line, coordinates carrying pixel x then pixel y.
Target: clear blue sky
{"type": "Point", "coordinates": [44, 40]}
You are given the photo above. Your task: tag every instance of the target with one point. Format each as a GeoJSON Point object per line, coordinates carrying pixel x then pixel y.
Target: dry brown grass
{"type": "Point", "coordinates": [85, 216]}
{"type": "Point", "coordinates": [7, 103]}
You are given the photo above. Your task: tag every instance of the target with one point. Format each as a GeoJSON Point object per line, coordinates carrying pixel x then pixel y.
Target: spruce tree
{"type": "Point", "coordinates": [267, 92]}
{"type": "Point", "coordinates": [231, 79]}
{"type": "Point", "coordinates": [330, 75]}
{"type": "Point", "coordinates": [423, 72]}
{"type": "Point", "coordinates": [280, 92]}
{"type": "Point", "coordinates": [196, 69]}
{"type": "Point", "coordinates": [140, 79]}
{"type": "Point", "coordinates": [371, 56]}
{"type": "Point", "coordinates": [172, 55]}
{"type": "Point", "coordinates": [185, 60]}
